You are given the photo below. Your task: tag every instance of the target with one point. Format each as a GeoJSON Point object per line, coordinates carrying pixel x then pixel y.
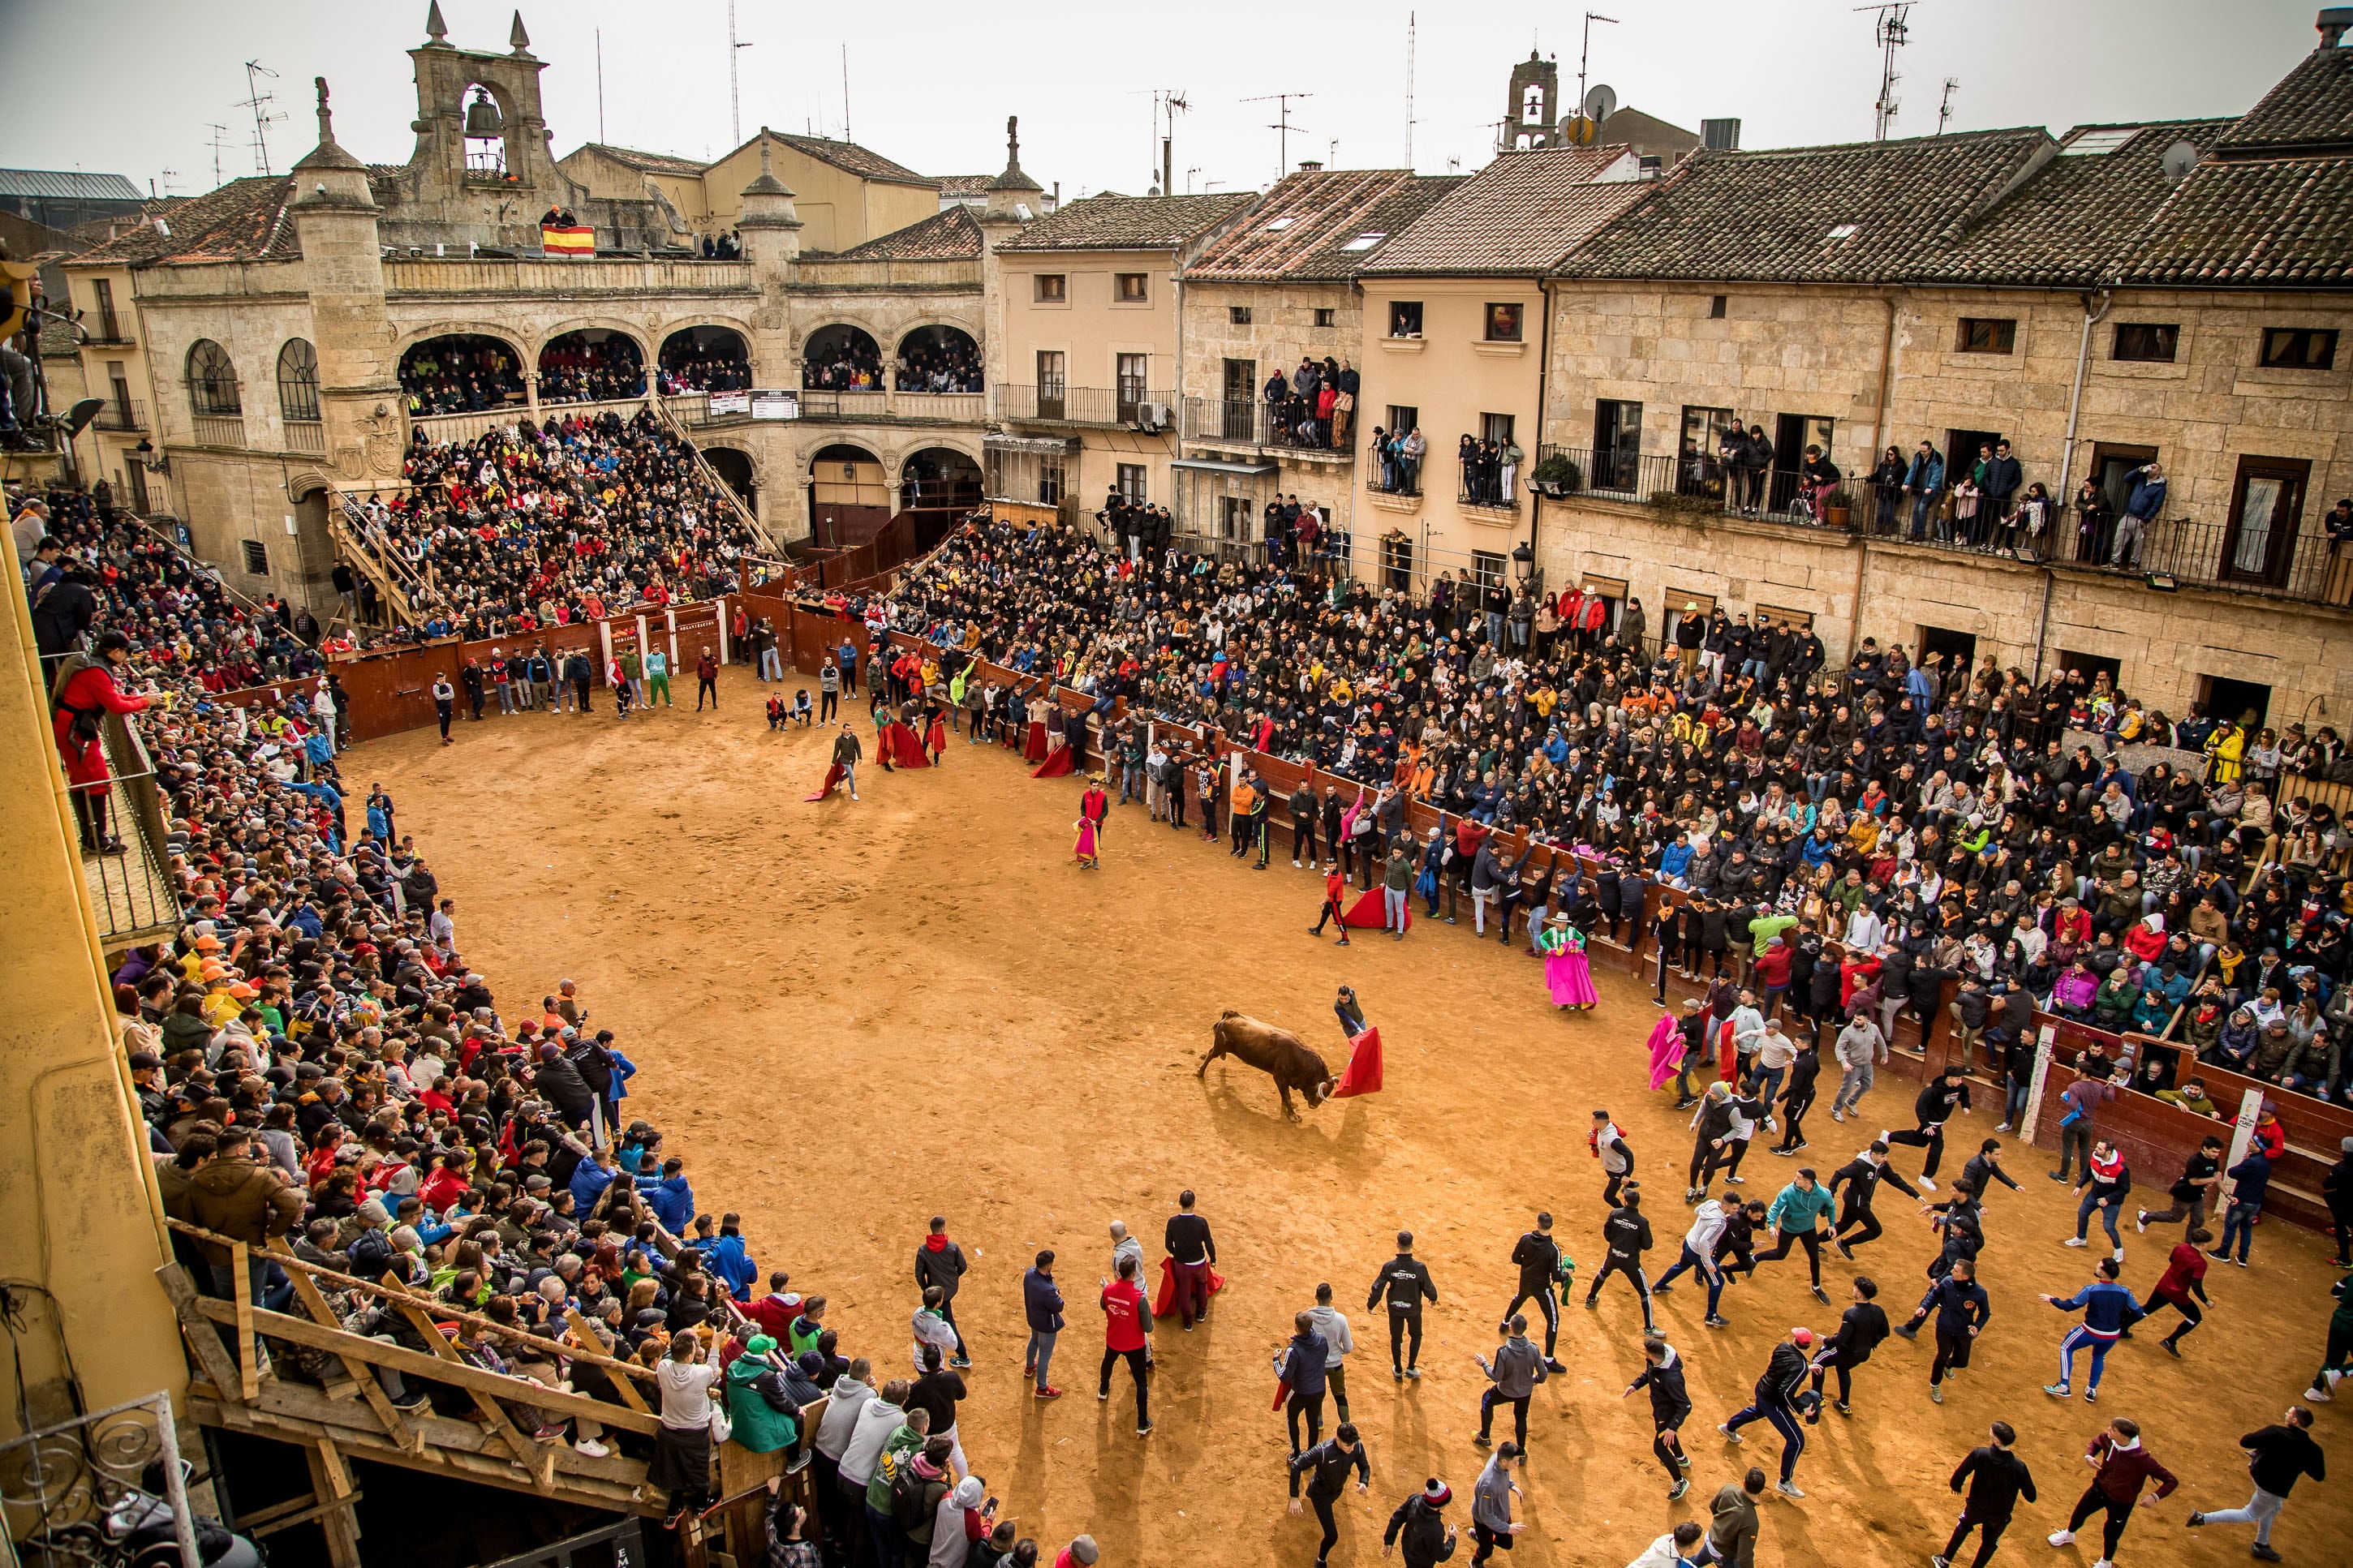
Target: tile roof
{"type": "Point", "coordinates": [849, 157]}
{"type": "Point", "coordinates": [1112, 222]}
{"type": "Point", "coordinates": [952, 234]}
{"type": "Point", "coordinates": [1520, 214]}
{"type": "Point", "coordinates": [65, 185]}
{"type": "Point", "coordinates": [647, 162]}
{"type": "Point", "coordinates": [245, 219]}
{"type": "Point", "coordinates": [2277, 223]}
{"type": "Point", "coordinates": [1300, 228]}
{"type": "Point", "coordinates": [1864, 212]}
{"type": "Point", "coordinates": [965, 184]}
{"type": "Point", "coordinates": [2309, 109]}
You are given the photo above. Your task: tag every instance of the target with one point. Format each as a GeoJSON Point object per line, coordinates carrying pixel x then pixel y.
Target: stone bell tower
{"type": "Point", "coordinates": [483, 171]}
{"type": "Point", "coordinates": [335, 221]}
{"type": "Point", "coordinates": [1533, 106]}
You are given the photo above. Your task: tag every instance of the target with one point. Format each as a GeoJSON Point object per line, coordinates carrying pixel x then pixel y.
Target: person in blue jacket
{"type": "Point", "coordinates": [1042, 1305]}
{"type": "Point", "coordinates": [2108, 1311]}
{"type": "Point", "coordinates": [670, 1195]}
{"type": "Point", "coordinates": [725, 1255]}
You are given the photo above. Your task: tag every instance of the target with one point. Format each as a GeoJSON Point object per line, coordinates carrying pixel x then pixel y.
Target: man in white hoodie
{"type": "Point", "coordinates": [877, 1419]}
{"type": "Point", "coordinates": [1337, 1342]}
{"type": "Point", "coordinates": [852, 1391]}
{"type": "Point", "coordinates": [1682, 1548]}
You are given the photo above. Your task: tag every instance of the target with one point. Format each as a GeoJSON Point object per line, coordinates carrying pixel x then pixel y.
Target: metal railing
{"type": "Point", "coordinates": [1407, 481]}
{"type": "Point", "coordinates": [1483, 500]}
{"type": "Point", "coordinates": [1259, 424]}
{"type": "Point", "coordinates": [1082, 405]}
{"type": "Point", "coordinates": [84, 1485]}
{"type": "Point", "coordinates": [219, 429]}
{"type": "Point", "coordinates": [108, 329]}
{"type": "Point", "coordinates": [306, 436]}
{"type": "Point", "coordinates": [122, 413]}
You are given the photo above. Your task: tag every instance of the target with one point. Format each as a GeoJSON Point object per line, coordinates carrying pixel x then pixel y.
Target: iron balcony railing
{"type": "Point", "coordinates": [1400, 478]}
{"type": "Point", "coordinates": [1051, 403]}
{"type": "Point", "coordinates": [1259, 423]}
{"type": "Point", "coordinates": [107, 328]}
{"type": "Point", "coordinates": [122, 413]}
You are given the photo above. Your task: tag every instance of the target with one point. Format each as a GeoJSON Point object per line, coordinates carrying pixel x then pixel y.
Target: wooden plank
{"type": "Point", "coordinates": [284, 1400]}
{"type": "Point", "coordinates": [248, 1350]}
{"type": "Point", "coordinates": [339, 1474]}
{"type": "Point", "coordinates": [308, 1509]}
{"type": "Point", "coordinates": [277, 1510]}
{"type": "Point", "coordinates": [625, 1387]}
{"type": "Point", "coordinates": [203, 1338]}
{"type": "Point", "coordinates": [315, 1302]}
{"type": "Point", "coordinates": [336, 1517]}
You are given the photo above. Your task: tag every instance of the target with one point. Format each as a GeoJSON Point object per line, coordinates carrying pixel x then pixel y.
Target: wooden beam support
{"type": "Point", "coordinates": [204, 1341]}
{"type": "Point", "coordinates": [248, 1352]}
{"type": "Point", "coordinates": [315, 1302]}
{"type": "Point", "coordinates": [306, 1509]}
{"type": "Point", "coordinates": [625, 1387]}
{"type": "Point", "coordinates": [336, 1516]}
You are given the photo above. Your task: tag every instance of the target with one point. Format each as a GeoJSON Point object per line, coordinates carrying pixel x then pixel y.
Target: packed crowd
{"type": "Point", "coordinates": [580, 370]}
{"type": "Point", "coordinates": [1491, 470]}
{"type": "Point", "coordinates": [944, 364]}
{"type": "Point", "coordinates": [1313, 406]}
{"type": "Point", "coordinates": [1400, 454]}
{"type": "Point", "coordinates": [460, 376]}
{"type": "Point", "coordinates": [849, 364]}
{"type": "Point", "coordinates": [688, 366]}
{"type": "Point", "coordinates": [544, 525]}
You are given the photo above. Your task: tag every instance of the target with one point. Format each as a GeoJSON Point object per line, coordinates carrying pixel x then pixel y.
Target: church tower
{"type": "Point", "coordinates": [1533, 107]}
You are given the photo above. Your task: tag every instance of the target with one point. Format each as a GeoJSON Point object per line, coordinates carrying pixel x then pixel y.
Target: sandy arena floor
{"type": "Point", "coordinates": [851, 1015]}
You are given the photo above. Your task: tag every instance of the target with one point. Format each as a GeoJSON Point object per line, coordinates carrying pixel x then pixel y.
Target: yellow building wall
{"type": "Point", "coordinates": [838, 209]}
{"type": "Point", "coordinates": [79, 1213]}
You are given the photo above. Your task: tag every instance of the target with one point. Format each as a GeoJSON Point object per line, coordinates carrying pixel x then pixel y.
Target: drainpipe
{"type": "Point", "coordinates": [2074, 408]}
{"type": "Point", "coordinates": [1544, 382]}
{"type": "Point", "coordinates": [2042, 628]}
{"type": "Point", "coordinates": [1886, 379]}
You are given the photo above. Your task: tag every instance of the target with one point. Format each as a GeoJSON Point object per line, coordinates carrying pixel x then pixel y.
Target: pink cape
{"type": "Point", "coordinates": [1055, 765]}
{"type": "Point", "coordinates": [1570, 976]}
{"type": "Point", "coordinates": [1364, 1071]}
{"type": "Point", "coordinates": [1666, 1046]}
{"type": "Point", "coordinates": [1086, 847]}
{"type": "Point", "coordinates": [834, 774]}
{"type": "Point", "coordinates": [1368, 913]}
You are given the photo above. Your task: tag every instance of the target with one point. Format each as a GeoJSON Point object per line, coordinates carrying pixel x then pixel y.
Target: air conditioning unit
{"type": "Point", "coordinates": [1153, 416]}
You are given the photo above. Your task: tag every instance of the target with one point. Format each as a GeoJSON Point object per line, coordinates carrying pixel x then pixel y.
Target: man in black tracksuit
{"type": "Point", "coordinates": [1805, 1071]}
{"type": "Point", "coordinates": [1627, 1235]}
{"type": "Point", "coordinates": [1860, 1331]}
{"type": "Point", "coordinates": [1671, 1407]}
{"type": "Point", "coordinates": [1327, 1465]}
{"type": "Point", "coordinates": [1997, 1478]}
{"type": "Point", "coordinates": [1862, 1175]}
{"type": "Point", "coordinates": [1984, 1169]}
{"type": "Point", "coordinates": [1539, 1259]}
{"type": "Point", "coordinates": [1404, 1282]}
{"type": "Point", "coordinates": [1303, 823]}
{"type": "Point", "coordinates": [1938, 1099]}
{"type": "Point", "coordinates": [1962, 1307]}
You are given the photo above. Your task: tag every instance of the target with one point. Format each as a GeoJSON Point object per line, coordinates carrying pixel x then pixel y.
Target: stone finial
{"type": "Point", "coordinates": [437, 31]}
{"type": "Point", "coordinates": [1013, 179]}
{"type": "Point", "coordinates": [517, 37]}
{"type": "Point", "coordinates": [326, 120]}
{"type": "Point", "coordinates": [767, 184]}
{"type": "Point", "coordinates": [326, 155]}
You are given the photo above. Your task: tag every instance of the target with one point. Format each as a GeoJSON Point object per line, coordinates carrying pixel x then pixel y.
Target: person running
{"type": "Point", "coordinates": [1610, 1146]}
{"type": "Point", "coordinates": [1626, 1234]}
{"type": "Point", "coordinates": [2108, 1311]}
{"type": "Point", "coordinates": [1335, 890]}
{"type": "Point", "coordinates": [1805, 1073]}
{"type": "Point", "coordinates": [1539, 1259]}
{"type": "Point", "coordinates": [1712, 1126]}
{"type": "Point", "coordinates": [1403, 1284]}
{"type": "Point", "coordinates": [1861, 1330]}
{"type": "Point", "coordinates": [1419, 1526]}
{"type": "Point", "coordinates": [2181, 1287]}
{"type": "Point", "coordinates": [2106, 1184]}
{"type": "Point", "coordinates": [1192, 1250]}
{"type": "Point", "coordinates": [2336, 1358]}
{"type": "Point", "coordinates": [1797, 1214]}
{"type": "Point", "coordinates": [2192, 1192]}
{"type": "Point", "coordinates": [1996, 1480]}
{"type": "Point", "coordinates": [1512, 1379]}
{"type": "Point", "coordinates": [1127, 1319]}
{"type": "Point", "coordinates": [2278, 1456]}
{"type": "Point", "coordinates": [1861, 1176]}
{"type": "Point", "coordinates": [2121, 1469]}
{"type": "Point", "coordinates": [1857, 1047]}
{"type": "Point", "coordinates": [1941, 1096]}
{"type": "Point", "coordinates": [1962, 1307]}
{"type": "Point", "coordinates": [1302, 1365]}
{"type": "Point", "coordinates": [1671, 1407]}
{"type": "Point", "coordinates": [1733, 1526]}
{"type": "Point", "coordinates": [1776, 1402]}
{"type": "Point", "coordinates": [1327, 1466]}
{"type": "Point", "coordinates": [1708, 1224]}
{"type": "Point", "coordinates": [1492, 1525]}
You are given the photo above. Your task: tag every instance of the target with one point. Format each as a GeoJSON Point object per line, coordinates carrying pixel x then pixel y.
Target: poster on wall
{"type": "Point", "coordinates": [775, 405]}
{"type": "Point", "coordinates": [730, 403]}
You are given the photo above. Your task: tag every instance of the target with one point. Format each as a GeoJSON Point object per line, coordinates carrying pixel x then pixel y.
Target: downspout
{"type": "Point", "coordinates": [2074, 408]}
{"type": "Point", "coordinates": [1878, 440]}
{"type": "Point", "coordinates": [2042, 626]}
{"type": "Point", "coordinates": [1544, 382]}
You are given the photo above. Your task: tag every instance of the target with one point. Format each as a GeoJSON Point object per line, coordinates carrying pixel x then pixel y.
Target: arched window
{"type": "Point", "coordinates": [1532, 105]}
{"type": "Point", "coordinates": [212, 380]}
{"type": "Point", "coordinates": [298, 382]}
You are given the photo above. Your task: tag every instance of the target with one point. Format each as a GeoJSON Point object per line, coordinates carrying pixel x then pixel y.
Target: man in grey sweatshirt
{"type": "Point", "coordinates": [1333, 1325]}
{"type": "Point", "coordinates": [1491, 1505]}
{"type": "Point", "coordinates": [1512, 1377]}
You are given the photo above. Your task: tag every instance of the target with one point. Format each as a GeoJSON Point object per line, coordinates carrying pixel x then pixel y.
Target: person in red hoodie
{"type": "Point", "coordinates": [1081, 1552]}
{"type": "Point", "coordinates": [2121, 1468]}
{"type": "Point", "coordinates": [1336, 887]}
{"type": "Point", "coordinates": [1127, 1318]}
{"type": "Point", "coordinates": [2182, 1287]}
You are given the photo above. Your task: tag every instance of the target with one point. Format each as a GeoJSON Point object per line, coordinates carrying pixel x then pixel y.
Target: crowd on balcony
{"type": "Point", "coordinates": [1931, 820]}
{"type": "Point", "coordinates": [1398, 454]}
{"type": "Point", "coordinates": [947, 365]}
{"type": "Point", "coordinates": [587, 370]}
{"type": "Point", "coordinates": [1491, 470]}
{"type": "Point", "coordinates": [1313, 406]}
{"type": "Point", "coordinates": [448, 377]}
{"type": "Point", "coordinates": [544, 525]}
{"type": "Point", "coordinates": [847, 363]}
{"type": "Point", "coordinates": [705, 367]}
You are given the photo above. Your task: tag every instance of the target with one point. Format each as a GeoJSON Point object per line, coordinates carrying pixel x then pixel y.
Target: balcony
{"type": "Point", "coordinates": [1404, 497]}
{"type": "Point", "coordinates": [219, 429]}
{"type": "Point", "coordinates": [1127, 406]}
{"type": "Point", "coordinates": [1237, 423]}
{"type": "Point", "coordinates": [108, 330]}
{"type": "Point", "coordinates": [1487, 508]}
{"type": "Point", "coordinates": [122, 413]}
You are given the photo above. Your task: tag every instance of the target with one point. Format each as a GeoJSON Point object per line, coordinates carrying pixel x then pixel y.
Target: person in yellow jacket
{"type": "Point", "coordinates": [2224, 747]}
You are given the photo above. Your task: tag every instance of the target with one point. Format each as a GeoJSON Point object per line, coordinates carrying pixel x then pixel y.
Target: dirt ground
{"type": "Point", "coordinates": [851, 1015]}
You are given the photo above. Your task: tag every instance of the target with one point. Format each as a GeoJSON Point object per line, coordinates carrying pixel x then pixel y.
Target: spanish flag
{"type": "Point", "coordinates": [578, 240]}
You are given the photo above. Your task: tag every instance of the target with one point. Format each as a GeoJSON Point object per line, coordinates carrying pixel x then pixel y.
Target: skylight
{"type": "Point", "coordinates": [2103, 141]}
{"type": "Point", "coordinates": [1281, 223]}
{"type": "Point", "coordinates": [1365, 242]}
{"type": "Point", "coordinates": [1845, 231]}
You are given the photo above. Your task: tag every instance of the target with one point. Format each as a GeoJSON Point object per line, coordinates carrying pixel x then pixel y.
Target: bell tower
{"type": "Point", "coordinates": [1533, 107]}
{"type": "Point", "coordinates": [483, 169]}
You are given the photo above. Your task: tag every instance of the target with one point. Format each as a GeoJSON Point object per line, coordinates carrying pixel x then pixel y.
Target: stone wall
{"type": "Point", "coordinates": [1281, 332]}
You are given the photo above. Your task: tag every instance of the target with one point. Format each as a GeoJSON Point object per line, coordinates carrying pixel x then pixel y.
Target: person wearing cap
{"type": "Point", "coordinates": [764, 1415]}
{"type": "Point", "coordinates": [1776, 1399]}
{"type": "Point", "coordinates": [1419, 1526]}
{"type": "Point", "coordinates": [1082, 1552]}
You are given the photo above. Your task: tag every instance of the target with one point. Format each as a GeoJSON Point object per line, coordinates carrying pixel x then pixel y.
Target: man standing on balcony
{"type": "Point", "coordinates": [1924, 482]}
{"type": "Point", "coordinates": [1410, 451]}
{"type": "Point", "coordinates": [1344, 408]}
{"type": "Point", "coordinates": [1997, 483]}
{"type": "Point", "coordinates": [2148, 499]}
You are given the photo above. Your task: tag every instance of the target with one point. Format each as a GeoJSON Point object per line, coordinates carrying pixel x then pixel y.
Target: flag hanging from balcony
{"type": "Point", "coordinates": [570, 239]}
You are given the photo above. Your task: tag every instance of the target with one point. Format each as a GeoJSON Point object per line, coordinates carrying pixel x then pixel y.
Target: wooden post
{"type": "Point", "coordinates": [2034, 1093]}
{"type": "Point", "coordinates": [204, 1340]}
{"type": "Point", "coordinates": [247, 1352]}
{"type": "Point", "coordinates": [315, 1302]}
{"type": "Point", "coordinates": [330, 1485]}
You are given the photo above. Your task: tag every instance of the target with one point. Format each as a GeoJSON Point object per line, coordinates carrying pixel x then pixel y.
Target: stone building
{"type": "Point", "coordinates": [846, 194]}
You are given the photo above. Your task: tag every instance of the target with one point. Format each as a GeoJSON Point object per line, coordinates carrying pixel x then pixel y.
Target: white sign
{"type": "Point", "coordinates": [731, 403]}
{"type": "Point", "coordinates": [775, 405]}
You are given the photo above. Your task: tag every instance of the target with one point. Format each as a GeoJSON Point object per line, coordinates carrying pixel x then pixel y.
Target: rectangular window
{"type": "Point", "coordinates": [1496, 427]}
{"type": "Point", "coordinates": [1488, 566]}
{"type": "Point", "coordinates": [1503, 323]}
{"type": "Point", "coordinates": [2149, 342]}
{"type": "Point", "coordinates": [1405, 318]}
{"type": "Point", "coordinates": [1128, 288]}
{"type": "Point", "coordinates": [2266, 508]}
{"type": "Point", "coordinates": [1131, 376]}
{"type": "Point", "coordinates": [1773, 615]}
{"type": "Point", "coordinates": [1050, 481]}
{"type": "Point", "coordinates": [103, 292]}
{"type": "Point", "coordinates": [256, 556]}
{"type": "Point", "coordinates": [1616, 445]}
{"type": "Point", "coordinates": [1327, 316]}
{"type": "Point", "coordinates": [1239, 315]}
{"type": "Point", "coordinates": [2300, 348]}
{"type": "Point", "coordinates": [1234, 513]}
{"type": "Point", "coordinates": [1238, 407]}
{"type": "Point", "coordinates": [1404, 419]}
{"type": "Point", "coordinates": [1131, 483]}
{"type": "Point", "coordinates": [1990, 335]}
{"type": "Point", "coordinates": [1051, 287]}
{"type": "Point", "coordinates": [1716, 307]}
{"type": "Point", "coordinates": [1052, 386]}
{"type": "Point", "coordinates": [1700, 467]}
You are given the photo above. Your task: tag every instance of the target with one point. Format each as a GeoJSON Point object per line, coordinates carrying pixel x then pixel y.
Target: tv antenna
{"type": "Point", "coordinates": [1584, 53]}
{"type": "Point", "coordinates": [1188, 178]}
{"type": "Point", "coordinates": [1892, 31]}
{"type": "Point", "coordinates": [735, 96]}
{"type": "Point", "coordinates": [1408, 90]}
{"type": "Point", "coordinates": [1167, 103]}
{"type": "Point", "coordinates": [1282, 124]}
{"type": "Point", "coordinates": [218, 132]}
{"type": "Point", "coordinates": [259, 101]}
{"type": "Point", "coordinates": [845, 93]}
{"type": "Point", "coordinates": [1945, 109]}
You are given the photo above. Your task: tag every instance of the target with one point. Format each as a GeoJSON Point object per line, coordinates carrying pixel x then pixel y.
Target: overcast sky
{"type": "Point", "coordinates": [134, 86]}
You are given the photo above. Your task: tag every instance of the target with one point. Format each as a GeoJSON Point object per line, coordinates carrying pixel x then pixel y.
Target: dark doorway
{"type": "Point", "coordinates": [732, 467]}
{"type": "Point", "coordinates": [1616, 445]}
{"type": "Point", "coordinates": [1241, 403]}
{"type": "Point", "coordinates": [1959, 648]}
{"type": "Point", "coordinates": [1961, 452]}
{"type": "Point", "coordinates": [2266, 508]}
{"type": "Point", "coordinates": [1792, 434]}
{"type": "Point", "coordinates": [2112, 467]}
{"type": "Point", "coordinates": [2235, 700]}
{"type": "Point", "coordinates": [2091, 665]}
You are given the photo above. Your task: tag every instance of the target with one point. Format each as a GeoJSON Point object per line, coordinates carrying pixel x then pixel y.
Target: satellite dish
{"type": "Point", "coordinates": [1600, 104]}
{"type": "Point", "coordinates": [2179, 159]}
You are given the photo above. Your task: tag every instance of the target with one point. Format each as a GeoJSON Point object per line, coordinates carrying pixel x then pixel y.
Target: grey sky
{"type": "Point", "coordinates": [133, 86]}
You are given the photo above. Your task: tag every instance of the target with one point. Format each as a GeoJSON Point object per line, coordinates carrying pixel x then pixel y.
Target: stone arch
{"type": "Point", "coordinates": [736, 470]}
{"type": "Point", "coordinates": [302, 484]}
{"type": "Point", "coordinates": [835, 356]}
{"type": "Point", "coordinates": [590, 364]}
{"type": "Point", "coordinates": [849, 492]}
{"type": "Point", "coordinates": [298, 381]}
{"type": "Point", "coordinates": [460, 370]}
{"type": "Point", "coordinates": [936, 347]}
{"type": "Point", "coordinates": [938, 476]}
{"type": "Point", "coordinates": [214, 386]}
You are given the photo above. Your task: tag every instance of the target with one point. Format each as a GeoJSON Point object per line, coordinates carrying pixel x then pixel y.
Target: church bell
{"type": "Point", "coordinates": [482, 116]}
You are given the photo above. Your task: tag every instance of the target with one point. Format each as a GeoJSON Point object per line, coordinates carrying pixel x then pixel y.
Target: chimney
{"type": "Point", "coordinates": [1310, 166]}
{"type": "Point", "coordinates": [1720, 135]}
{"type": "Point", "coordinates": [2334, 24]}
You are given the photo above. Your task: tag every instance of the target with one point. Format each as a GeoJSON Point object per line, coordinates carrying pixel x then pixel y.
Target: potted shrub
{"type": "Point", "coordinates": [1837, 507]}
{"type": "Point", "coordinates": [1557, 475]}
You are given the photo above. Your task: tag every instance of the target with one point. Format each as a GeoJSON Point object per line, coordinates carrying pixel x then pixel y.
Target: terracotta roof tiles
{"type": "Point", "coordinates": [1112, 222]}
{"type": "Point", "coordinates": [1314, 226]}
{"type": "Point", "coordinates": [1520, 214]}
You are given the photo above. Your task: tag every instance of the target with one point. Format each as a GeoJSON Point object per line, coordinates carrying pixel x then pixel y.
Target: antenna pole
{"type": "Point", "coordinates": [1584, 53]}
{"type": "Point", "coordinates": [259, 102]}
{"type": "Point", "coordinates": [1892, 32]}
{"type": "Point", "coordinates": [734, 98]}
{"type": "Point", "coordinates": [1282, 124]}
{"type": "Point", "coordinates": [1945, 110]}
{"type": "Point", "coordinates": [218, 132]}
{"type": "Point", "coordinates": [600, 84]}
{"type": "Point", "coordinates": [845, 93]}
{"type": "Point", "coordinates": [1408, 89]}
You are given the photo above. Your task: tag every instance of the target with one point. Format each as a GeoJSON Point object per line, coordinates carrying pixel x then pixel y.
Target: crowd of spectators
{"type": "Point", "coordinates": [542, 525]}
{"type": "Point", "coordinates": [460, 376]}
{"type": "Point", "coordinates": [1313, 406]}
{"type": "Point", "coordinates": [1491, 470]}
{"type": "Point", "coordinates": [1932, 820]}
{"type": "Point", "coordinates": [849, 364]}
{"type": "Point", "coordinates": [690, 366]}
{"type": "Point", "coordinates": [584, 370]}
{"type": "Point", "coordinates": [946, 363]}
{"type": "Point", "coordinates": [1399, 455]}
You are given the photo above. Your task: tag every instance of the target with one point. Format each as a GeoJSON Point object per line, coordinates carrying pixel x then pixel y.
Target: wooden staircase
{"type": "Point", "coordinates": [396, 589]}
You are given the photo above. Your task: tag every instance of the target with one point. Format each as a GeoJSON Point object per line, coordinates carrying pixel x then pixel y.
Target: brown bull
{"type": "Point", "coordinates": [1279, 1054]}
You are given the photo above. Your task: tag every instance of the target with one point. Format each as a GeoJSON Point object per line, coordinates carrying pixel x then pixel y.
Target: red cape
{"type": "Point", "coordinates": [834, 774]}
{"type": "Point", "coordinates": [1057, 765]}
{"type": "Point", "coordinates": [1165, 1301]}
{"type": "Point", "coordinates": [1367, 914]}
{"type": "Point", "coordinates": [1033, 748]}
{"type": "Point", "coordinates": [1364, 1072]}
{"type": "Point", "coordinates": [899, 748]}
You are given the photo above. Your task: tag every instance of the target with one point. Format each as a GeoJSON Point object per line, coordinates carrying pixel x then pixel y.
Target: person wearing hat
{"type": "Point", "coordinates": [1776, 1399]}
{"type": "Point", "coordinates": [762, 1412]}
{"type": "Point", "coordinates": [1419, 1526]}
{"type": "Point", "coordinates": [1082, 1552]}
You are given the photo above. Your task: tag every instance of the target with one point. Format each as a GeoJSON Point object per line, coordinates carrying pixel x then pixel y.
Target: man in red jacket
{"type": "Point", "coordinates": [2120, 1467]}
{"type": "Point", "coordinates": [1127, 1318]}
